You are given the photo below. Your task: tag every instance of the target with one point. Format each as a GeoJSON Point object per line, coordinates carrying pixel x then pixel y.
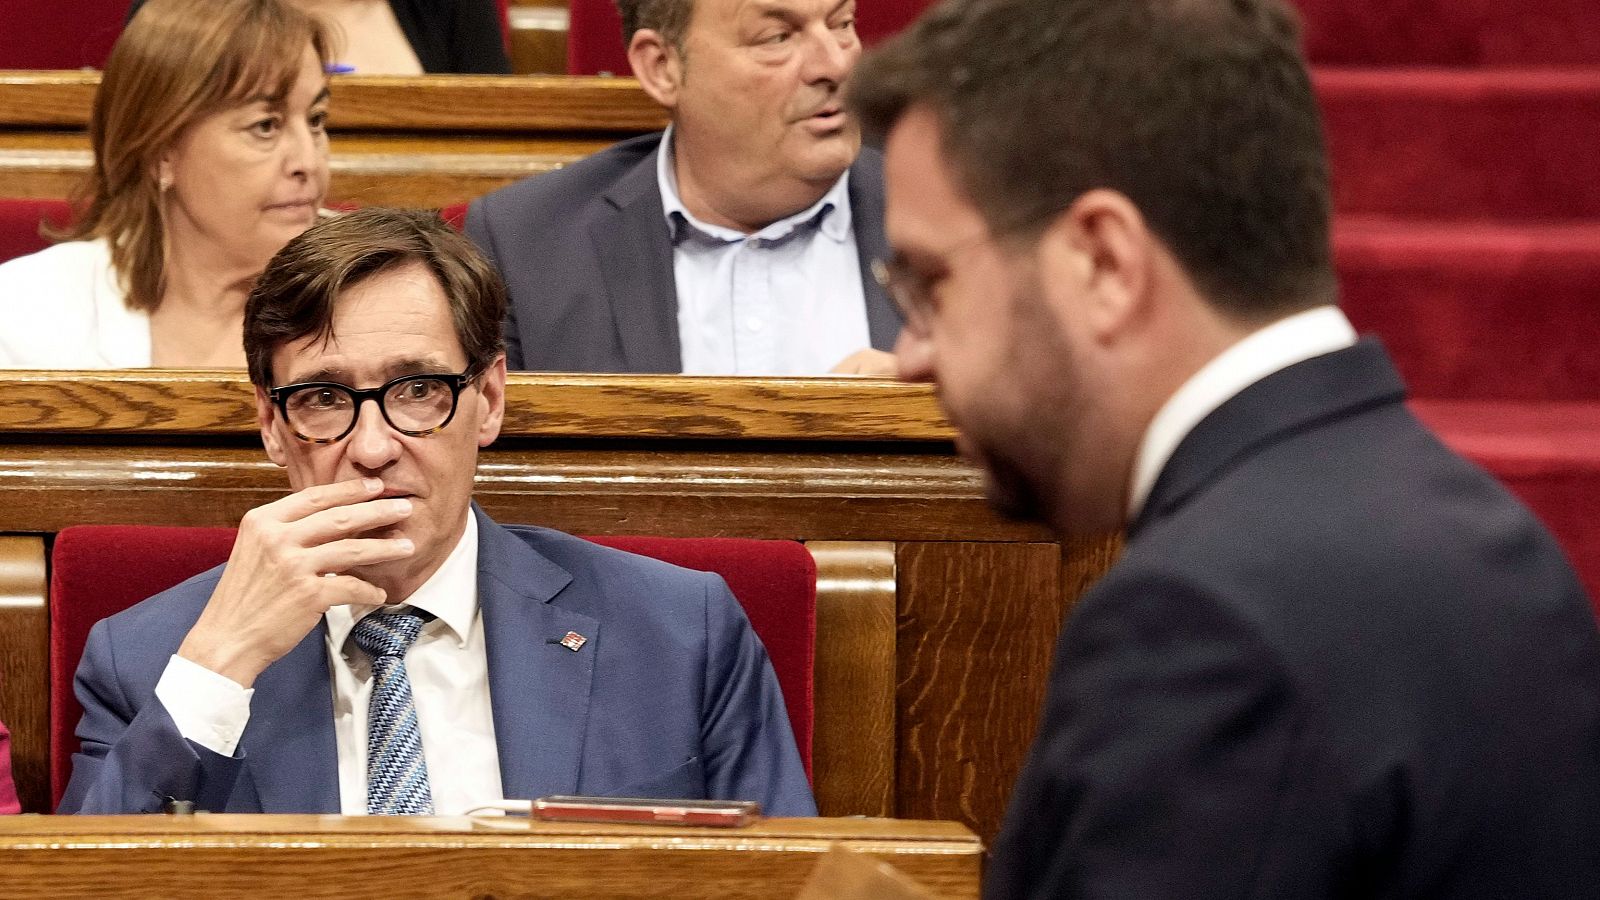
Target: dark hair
{"type": "Point", "coordinates": [669, 17]}
{"type": "Point", "coordinates": [1201, 112]}
{"type": "Point", "coordinates": [294, 296]}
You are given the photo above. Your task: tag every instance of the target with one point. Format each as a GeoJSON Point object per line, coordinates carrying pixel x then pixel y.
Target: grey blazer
{"type": "Point", "coordinates": [587, 259]}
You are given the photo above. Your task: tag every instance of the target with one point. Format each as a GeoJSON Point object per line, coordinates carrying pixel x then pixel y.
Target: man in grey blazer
{"type": "Point", "coordinates": [1335, 660]}
{"type": "Point", "coordinates": [739, 241]}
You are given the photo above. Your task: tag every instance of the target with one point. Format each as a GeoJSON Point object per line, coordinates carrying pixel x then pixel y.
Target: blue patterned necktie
{"type": "Point", "coordinates": [397, 772]}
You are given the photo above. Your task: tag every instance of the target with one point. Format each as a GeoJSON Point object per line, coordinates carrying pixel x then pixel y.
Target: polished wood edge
{"type": "Point", "coordinates": [155, 830]}
{"type": "Point", "coordinates": [179, 402]}
{"type": "Point", "coordinates": [434, 103]}
{"type": "Point", "coordinates": [24, 653]}
{"type": "Point", "coordinates": [853, 750]}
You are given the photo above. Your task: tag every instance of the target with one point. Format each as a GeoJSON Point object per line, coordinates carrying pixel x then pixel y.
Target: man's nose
{"type": "Point", "coordinates": [830, 54]}
{"type": "Point", "coordinates": [913, 355]}
{"type": "Point", "coordinates": [372, 444]}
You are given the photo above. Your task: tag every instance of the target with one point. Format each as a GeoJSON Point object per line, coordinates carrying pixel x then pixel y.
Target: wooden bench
{"type": "Point", "coordinates": [426, 141]}
{"type": "Point", "coordinates": [862, 470]}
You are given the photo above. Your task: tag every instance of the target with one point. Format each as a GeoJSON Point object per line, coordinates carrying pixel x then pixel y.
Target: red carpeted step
{"type": "Point", "coordinates": [1451, 32]}
{"type": "Point", "coordinates": [1548, 454]}
{"type": "Point", "coordinates": [1490, 312]}
{"type": "Point", "coordinates": [1515, 144]}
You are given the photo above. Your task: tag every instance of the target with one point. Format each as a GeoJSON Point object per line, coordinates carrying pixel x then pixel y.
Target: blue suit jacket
{"type": "Point", "coordinates": [587, 260]}
{"type": "Point", "coordinates": [1335, 660]}
{"type": "Point", "coordinates": [672, 695]}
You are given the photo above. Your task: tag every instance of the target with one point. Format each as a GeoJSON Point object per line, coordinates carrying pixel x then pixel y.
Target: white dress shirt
{"type": "Point", "coordinates": [449, 673]}
{"type": "Point", "coordinates": [62, 308]}
{"type": "Point", "coordinates": [786, 300]}
{"type": "Point", "coordinates": [1278, 346]}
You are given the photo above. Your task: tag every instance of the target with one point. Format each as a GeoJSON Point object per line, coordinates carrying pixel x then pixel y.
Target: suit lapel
{"type": "Point", "coordinates": [293, 758]}
{"type": "Point", "coordinates": [1304, 395]}
{"type": "Point", "coordinates": [634, 250]}
{"type": "Point", "coordinates": [538, 689]}
{"type": "Point", "coordinates": [866, 211]}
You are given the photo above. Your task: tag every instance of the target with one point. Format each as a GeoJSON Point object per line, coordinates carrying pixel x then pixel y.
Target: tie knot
{"type": "Point", "coordinates": [385, 633]}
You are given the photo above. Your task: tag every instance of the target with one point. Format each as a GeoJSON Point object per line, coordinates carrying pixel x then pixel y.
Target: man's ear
{"type": "Point", "coordinates": [266, 416]}
{"type": "Point", "coordinates": [657, 64]}
{"type": "Point", "coordinates": [492, 385]}
{"type": "Point", "coordinates": [1098, 251]}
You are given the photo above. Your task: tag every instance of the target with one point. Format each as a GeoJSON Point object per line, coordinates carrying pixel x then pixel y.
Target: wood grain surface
{"type": "Point", "coordinates": [367, 169]}
{"type": "Point", "coordinates": [430, 103]}
{"type": "Point", "coordinates": [220, 856]}
{"type": "Point", "coordinates": [182, 402]}
{"type": "Point", "coordinates": [978, 623]}
{"type": "Point", "coordinates": [855, 677]}
{"type": "Point", "coordinates": [24, 660]}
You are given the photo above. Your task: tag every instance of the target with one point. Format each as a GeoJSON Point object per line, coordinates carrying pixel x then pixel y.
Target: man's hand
{"type": "Point", "coordinates": [284, 573]}
{"type": "Point", "coordinates": [868, 362]}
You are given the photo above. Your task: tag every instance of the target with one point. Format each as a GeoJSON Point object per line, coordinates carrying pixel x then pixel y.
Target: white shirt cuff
{"type": "Point", "coordinates": [208, 708]}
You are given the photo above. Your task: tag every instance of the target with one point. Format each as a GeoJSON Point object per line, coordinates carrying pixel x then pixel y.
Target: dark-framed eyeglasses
{"type": "Point", "coordinates": [909, 290]}
{"type": "Point", "coordinates": [321, 412]}
{"type": "Point", "coordinates": [912, 292]}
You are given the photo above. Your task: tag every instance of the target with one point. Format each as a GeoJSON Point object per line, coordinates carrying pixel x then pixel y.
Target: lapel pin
{"type": "Point", "coordinates": [573, 641]}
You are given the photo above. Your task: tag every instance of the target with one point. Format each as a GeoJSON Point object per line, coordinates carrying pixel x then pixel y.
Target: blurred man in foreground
{"type": "Point", "coordinates": [1335, 659]}
{"type": "Point", "coordinates": [375, 643]}
{"type": "Point", "coordinates": [737, 242]}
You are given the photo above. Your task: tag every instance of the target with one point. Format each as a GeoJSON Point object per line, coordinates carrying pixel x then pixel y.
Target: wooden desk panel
{"type": "Point", "coordinates": [978, 598]}
{"type": "Point", "coordinates": [431, 103]}
{"type": "Point", "coordinates": [227, 856]}
{"type": "Point", "coordinates": [425, 142]}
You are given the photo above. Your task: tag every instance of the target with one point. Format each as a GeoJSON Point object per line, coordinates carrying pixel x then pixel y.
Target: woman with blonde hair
{"type": "Point", "coordinates": [210, 154]}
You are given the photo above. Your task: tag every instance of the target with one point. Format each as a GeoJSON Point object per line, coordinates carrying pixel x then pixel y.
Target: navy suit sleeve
{"type": "Point", "coordinates": [1162, 758]}
{"type": "Point", "coordinates": [131, 754]}
{"type": "Point", "coordinates": [479, 230]}
{"type": "Point", "coordinates": [748, 746]}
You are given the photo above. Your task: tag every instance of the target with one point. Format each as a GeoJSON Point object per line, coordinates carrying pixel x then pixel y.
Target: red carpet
{"type": "Point", "coordinates": [1451, 32]}
{"type": "Point", "coordinates": [1504, 144]}
{"type": "Point", "coordinates": [1464, 137]}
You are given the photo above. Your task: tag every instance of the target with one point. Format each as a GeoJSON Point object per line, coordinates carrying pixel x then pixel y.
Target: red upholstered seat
{"type": "Point", "coordinates": [455, 215]}
{"type": "Point", "coordinates": [97, 570]}
{"type": "Point", "coordinates": [594, 32]}
{"type": "Point", "coordinates": [19, 224]}
{"type": "Point", "coordinates": [52, 34]}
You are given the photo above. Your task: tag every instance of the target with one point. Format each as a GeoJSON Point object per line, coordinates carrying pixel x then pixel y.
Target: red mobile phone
{"type": "Point", "coordinates": [644, 811]}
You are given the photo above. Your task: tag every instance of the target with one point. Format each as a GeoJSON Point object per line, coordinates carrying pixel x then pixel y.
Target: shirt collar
{"type": "Point", "coordinates": [1290, 340]}
{"type": "Point", "coordinates": [830, 215]}
{"type": "Point", "coordinates": [450, 594]}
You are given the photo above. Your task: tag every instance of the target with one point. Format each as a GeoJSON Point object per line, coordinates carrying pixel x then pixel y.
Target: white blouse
{"type": "Point", "coordinates": [61, 308]}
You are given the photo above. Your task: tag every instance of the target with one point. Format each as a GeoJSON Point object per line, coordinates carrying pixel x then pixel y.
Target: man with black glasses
{"type": "Point", "coordinates": [375, 643]}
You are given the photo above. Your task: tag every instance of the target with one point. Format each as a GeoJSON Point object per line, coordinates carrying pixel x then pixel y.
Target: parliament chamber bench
{"type": "Point", "coordinates": [935, 618]}
{"type": "Point", "coordinates": [427, 141]}
{"type": "Point", "coordinates": [232, 856]}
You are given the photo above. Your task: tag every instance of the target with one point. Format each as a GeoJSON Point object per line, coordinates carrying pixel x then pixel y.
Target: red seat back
{"type": "Point", "coordinates": [594, 32]}
{"type": "Point", "coordinates": [98, 570]}
{"type": "Point", "coordinates": [19, 224]}
{"type": "Point", "coordinates": [51, 34]}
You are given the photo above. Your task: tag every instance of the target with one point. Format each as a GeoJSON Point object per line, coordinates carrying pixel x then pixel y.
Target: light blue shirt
{"type": "Point", "coordinates": [786, 300]}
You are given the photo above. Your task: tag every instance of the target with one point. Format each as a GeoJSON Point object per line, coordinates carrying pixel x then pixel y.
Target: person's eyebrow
{"type": "Point", "coordinates": [322, 96]}
{"type": "Point", "coordinates": [334, 374]}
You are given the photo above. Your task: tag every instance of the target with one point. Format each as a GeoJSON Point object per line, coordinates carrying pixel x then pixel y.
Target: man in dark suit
{"type": "Point", "coordinates": [375, 643]}
{"type": "Point", "coordinates": [740, 241]}
{"type": "Point", "coordinates": [1335, 659]}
